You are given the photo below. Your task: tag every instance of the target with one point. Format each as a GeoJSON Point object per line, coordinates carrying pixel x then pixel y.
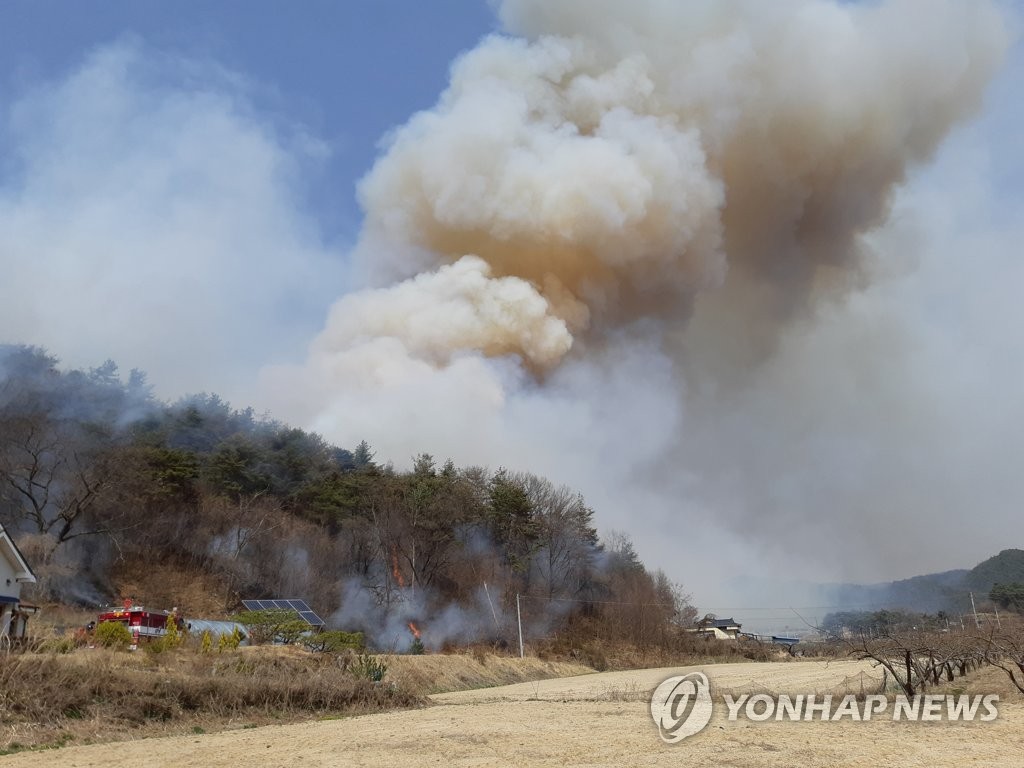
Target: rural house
{"type": "Point", "coordinates": [720, 629]}
{"type": "Point", "coordinates": [14, 572]}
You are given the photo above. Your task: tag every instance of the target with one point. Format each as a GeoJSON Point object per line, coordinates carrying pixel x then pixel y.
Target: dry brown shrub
{"type": "Point", "coordinates": [50, 691]}
{"type": "Point", "coordinates": [583, 643]}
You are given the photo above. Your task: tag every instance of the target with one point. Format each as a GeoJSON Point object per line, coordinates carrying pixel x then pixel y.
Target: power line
{"type": "Point", "coordinates": [842, 607]}
{"type": "Point", "coordinates": [594, 602]}
{"type": "Point", "coordinates": [719, 610]}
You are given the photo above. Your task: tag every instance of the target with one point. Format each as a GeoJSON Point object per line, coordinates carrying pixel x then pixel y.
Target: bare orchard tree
{"type": "Point", "coordinates": [1003, 647]}
{"type": "Point", "coordinates": [917, 659]}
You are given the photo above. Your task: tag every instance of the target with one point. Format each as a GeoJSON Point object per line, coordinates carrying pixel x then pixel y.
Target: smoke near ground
{"type": "Point", "coordinates": [391, 627]}
{"type": "Point", "coordinates": [649, 248]}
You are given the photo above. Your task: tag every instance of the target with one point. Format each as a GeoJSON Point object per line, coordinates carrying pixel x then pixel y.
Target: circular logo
{"type": "Point", "coordinates": [681, 706]}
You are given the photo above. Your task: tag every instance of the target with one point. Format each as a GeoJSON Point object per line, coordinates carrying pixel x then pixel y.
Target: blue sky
{"type": "Point", "coordinates": [346, 71]}
{"type": "Point", "coordinates": [113, 114]}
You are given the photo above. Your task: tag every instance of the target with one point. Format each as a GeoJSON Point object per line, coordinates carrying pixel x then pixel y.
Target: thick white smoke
{"type": "Point", "coordinates": [459, 307]}
{"type": "Point", "coordinates": [620, 248]}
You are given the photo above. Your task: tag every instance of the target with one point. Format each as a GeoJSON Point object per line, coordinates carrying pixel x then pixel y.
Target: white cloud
{"type": "Point", "coordinates": [149, 215]}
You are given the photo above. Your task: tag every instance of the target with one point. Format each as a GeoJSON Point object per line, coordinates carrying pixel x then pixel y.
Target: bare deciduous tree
{"type": "Point", "coordinates": [917, 660]}
{"type": "Point", "coordinates": [1003, 648]}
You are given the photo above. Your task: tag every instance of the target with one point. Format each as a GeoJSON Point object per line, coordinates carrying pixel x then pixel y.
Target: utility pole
{"type": "Point", "coordinates": [519, 620]}
{"type": "Point", "coordinates": [977, 623]}
{"type": "Point", "coordinates": [998, 622]}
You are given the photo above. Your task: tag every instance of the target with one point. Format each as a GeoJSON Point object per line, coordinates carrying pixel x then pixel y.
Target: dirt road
{"type": "Point", "coordinates": [591, 720]}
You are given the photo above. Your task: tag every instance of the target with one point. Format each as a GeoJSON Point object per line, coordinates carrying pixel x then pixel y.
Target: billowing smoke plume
{"type": "Point", "coordinates": [582, 258]}
{"type": "Point", "coordinates": [623, 158]}
{"type": "Point", "coordinates": [459, 307]}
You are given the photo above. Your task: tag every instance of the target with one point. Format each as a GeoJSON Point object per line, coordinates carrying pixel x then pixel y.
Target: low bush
{"type": "Point", "coordinates": [334, 641]}
{"type": "Point", "coordinates": [367, 667]}
{"type": "Point", "coordinates": [65, 644]}
{"type": "Point", "coordinates": [230, 642]}
{"type": "Point", "coordinates": [272, 625]}
{"type": "Point", "coordinates": [112, 634]}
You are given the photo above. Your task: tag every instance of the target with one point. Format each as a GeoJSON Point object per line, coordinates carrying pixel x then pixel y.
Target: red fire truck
{"type": "Point", "coordinates": [144, 624]}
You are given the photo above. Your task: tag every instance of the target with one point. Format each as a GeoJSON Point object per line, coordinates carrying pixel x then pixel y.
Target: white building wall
{"type": "Point", "coordinates": [12, 574]}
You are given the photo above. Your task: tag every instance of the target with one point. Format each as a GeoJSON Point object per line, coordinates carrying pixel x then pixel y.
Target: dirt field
{"type": "Point", "coordinates": [599, 719]}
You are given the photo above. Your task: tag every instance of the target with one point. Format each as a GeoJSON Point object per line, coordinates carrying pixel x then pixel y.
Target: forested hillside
{"type": "Point", "coordinates": [111, 493]}
{"type": "Point", "coordinates": [1005, 568]}
{"type": "Point", "coordinates": [997, 581]}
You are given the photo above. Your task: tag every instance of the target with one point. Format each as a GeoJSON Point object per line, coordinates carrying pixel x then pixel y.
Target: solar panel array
{"type": "Point", "coordinates": [301, 607]}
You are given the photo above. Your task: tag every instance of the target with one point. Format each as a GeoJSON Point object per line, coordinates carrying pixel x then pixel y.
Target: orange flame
{"type": "Point", "coordinates": [415, 630]}
{"type": "Point", "coordinates": [396, 571]}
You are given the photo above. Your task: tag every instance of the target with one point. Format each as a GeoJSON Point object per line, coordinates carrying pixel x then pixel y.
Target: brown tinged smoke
{"type": "Point", "coordinates": [606, 248]}
{"type": "Point", "coordinates": [616, 161]}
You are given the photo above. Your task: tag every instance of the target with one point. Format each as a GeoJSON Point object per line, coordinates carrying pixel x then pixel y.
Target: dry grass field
{"type": "Point", "coordinates": [99, 695]}
{"type": "Point", "coordinates": [595, 719]}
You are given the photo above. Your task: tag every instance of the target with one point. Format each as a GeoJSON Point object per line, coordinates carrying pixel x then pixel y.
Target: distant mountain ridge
{"type": "Point", "coordinates": [1005, 568]}
{"type": "Point", "coordinates": [948, 591]}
